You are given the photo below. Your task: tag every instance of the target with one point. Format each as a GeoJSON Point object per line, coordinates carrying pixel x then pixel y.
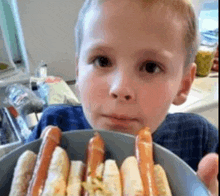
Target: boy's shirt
{"type": "Point", "coordinates": [189, 136]}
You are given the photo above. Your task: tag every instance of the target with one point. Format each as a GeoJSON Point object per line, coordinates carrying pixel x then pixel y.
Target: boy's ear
{"type": "Point", "coordinates": [186, 83]}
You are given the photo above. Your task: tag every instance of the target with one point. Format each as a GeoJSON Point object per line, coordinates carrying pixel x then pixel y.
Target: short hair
{"type": "Point", "coordinates": [182, 8]}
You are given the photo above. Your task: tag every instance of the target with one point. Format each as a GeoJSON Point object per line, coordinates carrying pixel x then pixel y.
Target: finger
{"type": "Point", "coordinates": [208, 172]}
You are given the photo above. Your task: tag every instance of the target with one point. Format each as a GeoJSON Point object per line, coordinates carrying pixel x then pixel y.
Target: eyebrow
{"type": "Point", "coordinates": [161, 54]}
{"type": "Point", "coordinates": [164, 55]}
{"type": "Point", "coordinates": [98, 47]}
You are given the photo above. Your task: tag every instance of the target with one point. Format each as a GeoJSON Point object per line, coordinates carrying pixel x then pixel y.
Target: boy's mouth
{"type": "Point", "coordinates": [119, 118]}
{"type": "Point", "coordinates": [122, 123]}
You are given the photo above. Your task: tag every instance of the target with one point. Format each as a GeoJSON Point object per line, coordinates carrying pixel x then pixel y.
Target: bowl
{"type": "Point", "coordinates": [182, 179]}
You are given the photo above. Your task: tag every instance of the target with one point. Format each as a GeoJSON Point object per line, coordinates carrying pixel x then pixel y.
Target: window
{"type": "Point", "coordinates": [13, 57]}
{"type": "Point", "coordinates": [208, 24]}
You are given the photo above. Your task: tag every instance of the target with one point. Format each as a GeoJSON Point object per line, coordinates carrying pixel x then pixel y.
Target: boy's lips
{"type": "Point", "coordinates": [119, 117]}
{"type": "Point", "coordinates": [122, 120]}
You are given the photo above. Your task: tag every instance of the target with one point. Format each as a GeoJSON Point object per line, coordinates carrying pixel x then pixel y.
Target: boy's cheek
{"type": "Point", "coordinates": [93, 92]}
{"type": "Point", "coordinates": [156, 114]}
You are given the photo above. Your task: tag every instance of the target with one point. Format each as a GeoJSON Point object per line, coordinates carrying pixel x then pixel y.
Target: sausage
{"type": "Point", "coordinates": [49, 142]}
{"type": "Point", "coordinates": [95, 156]}
{"type": "Point", "coordinates": [144, 155]}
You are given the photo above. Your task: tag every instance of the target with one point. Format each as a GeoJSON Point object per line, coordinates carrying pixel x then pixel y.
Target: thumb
{"type": "Point", "coordinates": [208, 172]}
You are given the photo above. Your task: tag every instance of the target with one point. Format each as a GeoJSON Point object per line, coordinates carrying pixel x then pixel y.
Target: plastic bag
{"type": "Point", "coordinates": [23, 99]}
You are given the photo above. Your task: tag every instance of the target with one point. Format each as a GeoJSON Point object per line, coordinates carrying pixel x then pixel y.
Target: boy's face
{"type": "Point", "coordinates": [130, 67]}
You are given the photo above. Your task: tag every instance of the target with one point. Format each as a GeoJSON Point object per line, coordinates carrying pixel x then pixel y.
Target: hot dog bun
{"type": "Point", "coordinates": [23, 173]}
{"type": "Point", "coordinates": [94, 185]}
{"type": "Point", "coordinates": [99, 173]}
{"type": "Point", "coordinates": [107, 181]}
{"type": "Point", "coordinates": [56, 181]}
{"type": "Point", "coordinates": [161, 181]}
{"type": "Point", "coordinates": [75, 178]}
{"type": "Point", "coordinates": [49, 142]}
{"type": "Point", "coordinates": [131, 179]}
{"type": "Point", "coordinates": [111, 177]}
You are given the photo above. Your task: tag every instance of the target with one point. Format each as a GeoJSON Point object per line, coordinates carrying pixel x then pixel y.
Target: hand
{"type": "Point", "coordinates": [208, 172]}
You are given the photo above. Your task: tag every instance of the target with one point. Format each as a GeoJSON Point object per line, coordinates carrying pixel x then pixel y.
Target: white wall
{"type": "Point", "coordinates": [48, 28]}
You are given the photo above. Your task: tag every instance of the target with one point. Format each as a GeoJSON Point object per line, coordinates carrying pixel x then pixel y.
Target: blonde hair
{"type": "Point", "coordinates": [180, 8]}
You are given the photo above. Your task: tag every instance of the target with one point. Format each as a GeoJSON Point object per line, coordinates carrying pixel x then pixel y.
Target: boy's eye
{"type": "Point", "coordinates": [150, 67]}
{"type": "Point", "coordinates": [102, 61]}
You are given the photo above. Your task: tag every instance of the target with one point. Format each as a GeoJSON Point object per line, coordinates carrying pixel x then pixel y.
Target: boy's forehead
{"type": "Point", "coordinates": [118, 8]}
{"type": "Point", "coordinates": [119, 22]}
{"type": "Point", "coordinates": [123, 14]}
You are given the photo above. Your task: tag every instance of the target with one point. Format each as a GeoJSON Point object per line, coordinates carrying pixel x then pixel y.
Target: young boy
{"type": "Point", "coordinates": [134, 59]}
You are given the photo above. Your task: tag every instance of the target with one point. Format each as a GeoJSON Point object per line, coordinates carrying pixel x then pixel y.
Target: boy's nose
{"type": "Point", "coordinates": [121, 97]}
{"type": "Point", "coordinates": [122, 90]}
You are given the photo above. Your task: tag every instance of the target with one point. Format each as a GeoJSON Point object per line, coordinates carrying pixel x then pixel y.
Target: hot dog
{"type": "Point", "coordinates": [23, 173]}
{"type": "Point", "coordinates": [58, 172]}
{"type": "Point", "coordinates": [144, 154]}
{"type": "Point", "coordinates": [50, 141]}
{"type": "Point", "coordinates": [95, 156]}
